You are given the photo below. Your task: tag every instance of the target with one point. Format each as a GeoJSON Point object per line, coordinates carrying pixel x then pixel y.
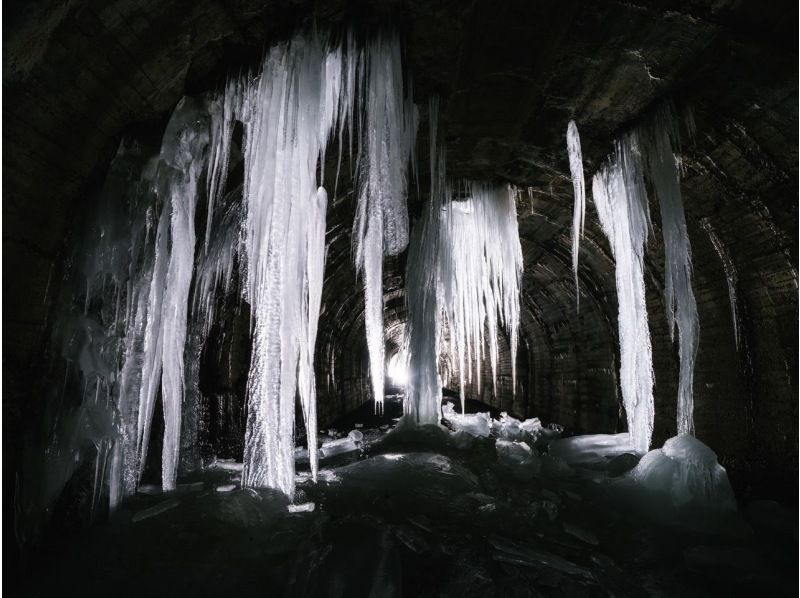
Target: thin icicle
{"type": "Point", "coordinates": [731, 276]}
{"type": "Point", "coordinates": [579, 187]}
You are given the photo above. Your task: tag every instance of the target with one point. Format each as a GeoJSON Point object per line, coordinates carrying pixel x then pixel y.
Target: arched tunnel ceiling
{"type": "Point", "coordinates": [78, 75]}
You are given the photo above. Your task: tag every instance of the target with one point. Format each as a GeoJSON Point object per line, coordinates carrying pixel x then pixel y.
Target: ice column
{"type": "Point", "coordinates": [381, 222]}
{"type": "Point", "coordinates": [424, 388]}
{"type": "Point", "coordinates": [579, 187]}
{"type": "Point", "coordinates": [181, 162]}
{"type": "Point", "coordinates": [662, 142]}
{"type": "Point", "coordinates": [288, 118]}
{"type": "Point", "coordinates": [621, 202]}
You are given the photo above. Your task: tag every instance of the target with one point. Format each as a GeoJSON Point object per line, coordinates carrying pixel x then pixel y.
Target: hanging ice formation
{"type": "Point", "coordinates": [621, 201]}
{"type": "Point", "coordinates": [154, 317]}
{"type": "Point", "coordinates": [381, 221]}
{"type": "Point", "coordinates": [473, 290]}
{"type": "Point", "coordinates": [579, 187]}
{"type": "Point", "coordinates": [662, 166]}
{"type": "Point", "coordinates": [731, 275]}
{"type": "Point", "coordinates": [480, 265]}
{"type": "Point", "coordinates": [423, 330]}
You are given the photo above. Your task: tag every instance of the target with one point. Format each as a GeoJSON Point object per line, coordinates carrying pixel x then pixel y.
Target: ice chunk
{"type": "Point", "coordinates": [477, 424]}
{"type": "Point", "coordinates": [337, 447]}
{"type": "Point", "coordinates": [687, 472]}
{"type": "Point", "coordinates": [306, 507]}
{"type": "Point", "coordinates": [510, 428]}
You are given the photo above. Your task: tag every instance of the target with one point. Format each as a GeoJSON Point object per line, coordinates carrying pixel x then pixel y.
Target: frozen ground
{"type": "Point", "coordinates": [433, 512]}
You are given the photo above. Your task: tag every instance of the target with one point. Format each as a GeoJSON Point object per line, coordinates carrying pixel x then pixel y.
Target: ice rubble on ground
{"type": "Point", "coordinates": [687, 472]}
{"type": "Point", "coordinates": [514, 437]}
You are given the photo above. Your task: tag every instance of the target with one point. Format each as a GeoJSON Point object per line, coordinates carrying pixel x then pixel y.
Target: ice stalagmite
{"type": "Point", "coordinates": [579, 186]}
{"type": "Point", "coordinates": [621, 201]}
{"type": "Point", "coordinates": [662, 167]}
{"type": "Point", "coordinates": [381, 222]}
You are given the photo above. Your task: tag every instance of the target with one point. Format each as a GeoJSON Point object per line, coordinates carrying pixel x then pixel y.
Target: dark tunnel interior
{"type": "Point", "coordinates": [82, 77]}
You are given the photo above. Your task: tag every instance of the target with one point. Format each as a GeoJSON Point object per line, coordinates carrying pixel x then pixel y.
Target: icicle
{"type": "Point", "coordinates": [579, 211]}
{"type": "Point", "coordinates": [731, 275]}
{"type": "Point", "coordinates": [480, 268]}
{"type": "Point", "coordinates": [315, 267]}
{"type": "Point", "coordinates": [287, 125]}
{"type": "Point", "coordinates": [424, 389]}
{"type": "Point", "coordinates": [381, 221]}
{"type": "Point", "coordinates": [621, 202]}
{"type": "Point", "coordinates": [660, 148]}
{"type": "Point", "coordinates": [475, 246]}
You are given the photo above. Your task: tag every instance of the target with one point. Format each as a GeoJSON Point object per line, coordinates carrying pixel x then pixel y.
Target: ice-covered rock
{"type": "Point", "coordinates": [686, 471]}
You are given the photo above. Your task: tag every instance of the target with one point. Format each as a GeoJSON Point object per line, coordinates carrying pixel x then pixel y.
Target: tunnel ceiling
{"type": "Point", "coordinates": [78, 75]}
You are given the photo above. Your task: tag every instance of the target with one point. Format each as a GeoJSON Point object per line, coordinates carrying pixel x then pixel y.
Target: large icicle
{"type": "Point", "coordinates": [424, 389]}
{"type": "Point", "coordinates": [661, 145]}
{"type": "Point", "coordinates": [181, 163]}
{"type": "Point", "coordinates": [381, 222]}
{"type": "Point", "coordinates": [473, 288]}
{"type": "Point", "coordinates": [480, 270]}
{"type": "Point", "coordinates": [579, 187]}
{"type": "Point", "coordinates": [288, 120]}
{"type": "Point", "coordinates": [621, 201]}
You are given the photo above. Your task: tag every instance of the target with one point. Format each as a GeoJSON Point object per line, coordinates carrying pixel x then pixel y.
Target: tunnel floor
{"type": "Point", "coordinates": [422, 512]}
